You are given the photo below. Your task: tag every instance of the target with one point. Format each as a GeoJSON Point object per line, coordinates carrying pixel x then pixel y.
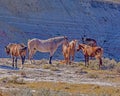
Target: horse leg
{"type": "Point", "coordinates": [73, 54]}
{"type": "Point", "coordinates": [13, 61]}
{"type": "Point", "coordinates": [73, 58]}
{"type": "Point", "coordinates": [23, 60]}
{"type": "Point", "coordinates": [16, 62]}
{"type": "Point", "coordinates": [30, 56]}
{"type": "Point", "coordinates": [68, 58]}
{"type": "Point", "coordinates": [50, 58]}
{"type": "Point", "coordinates": [31, 53]}
{"type": "Point", "coordinates": [88, 60]}
{"type": "Point", "coordinates": [85, 60]}
{"type": "Point", "coordinates": [100, 62]}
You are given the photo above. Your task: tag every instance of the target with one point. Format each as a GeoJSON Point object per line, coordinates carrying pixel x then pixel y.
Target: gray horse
{"type": "Point", "coordinates": [49, 45]}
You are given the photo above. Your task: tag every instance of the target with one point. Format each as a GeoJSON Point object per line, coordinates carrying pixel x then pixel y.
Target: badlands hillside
{"type": "Point", "coordinates": [21, 20]}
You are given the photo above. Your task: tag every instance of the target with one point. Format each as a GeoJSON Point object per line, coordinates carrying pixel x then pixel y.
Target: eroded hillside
{"type": "Point", "coordinates": [21, 20]}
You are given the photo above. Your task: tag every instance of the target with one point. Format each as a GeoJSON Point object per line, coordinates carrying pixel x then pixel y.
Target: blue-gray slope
{"type": "Point", "coordinates": [21, 20]}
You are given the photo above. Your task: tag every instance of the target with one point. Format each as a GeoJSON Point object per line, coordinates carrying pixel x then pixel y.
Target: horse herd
{"type": "Point", "coordinates": [89, 49]}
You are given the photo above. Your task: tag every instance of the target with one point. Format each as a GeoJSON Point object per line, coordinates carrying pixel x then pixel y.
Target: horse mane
{"type": "Point", "coordinates": [9, 45]}
{"type": "Point", "coordinates": [82, 45]}
{"type": "Point", "coordinates": [90, 39]}
{"type": "Point", "coordinates": [57, 39]}
{"type": "Point", "coordinates": [22, 45]}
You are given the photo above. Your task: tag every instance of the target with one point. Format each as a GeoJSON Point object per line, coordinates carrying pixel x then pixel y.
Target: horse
{"type": "Point", "coordinates": [89, 51]}
{"type": "Point", "coordinates": [89, 41]}
{"type": "Point", "coordinates": [50, 45]}
{"type": "Point", "coordinates": [68, 50]}
{"type": "Point", "coordinates": [16, 50]}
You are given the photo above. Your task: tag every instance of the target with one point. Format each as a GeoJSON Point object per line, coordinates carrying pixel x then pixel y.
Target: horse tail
{"type": "Point", "coordinates": [28, 48]}
{"type": "Point", "coordinates": [23, 49]}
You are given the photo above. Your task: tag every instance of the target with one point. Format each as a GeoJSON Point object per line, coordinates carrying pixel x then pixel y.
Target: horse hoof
{"type": "Point", "coordinates": [21, 67]}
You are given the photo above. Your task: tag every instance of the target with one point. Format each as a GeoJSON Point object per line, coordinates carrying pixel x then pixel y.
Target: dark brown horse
{"type": "Point", "coordinates": [16, 50]}
{"type": "Point", "coordinates": [89, 51]}
{"type": "Point", "coordinates": [89, 41]}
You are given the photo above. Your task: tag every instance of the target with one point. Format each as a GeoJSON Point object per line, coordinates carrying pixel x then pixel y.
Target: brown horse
{"type": "Point", "coordinates": [89, 51]}
{"type": "Point", "coordinates": [16, 50]}
{"type": "Point", "coordinates": [49, 45]}
{"type": "Point", "coordinates": [68, 50]}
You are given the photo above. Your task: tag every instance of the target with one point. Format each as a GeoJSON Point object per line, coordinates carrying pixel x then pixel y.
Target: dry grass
{"type": "Point", "coordinates": [77, 88]}
{"type": "Point", "coordinates": [12, 80]}
{"type": "Point", "coordinates": [109, 73]}
{"type": "Point", "coordinates": [46, 66]}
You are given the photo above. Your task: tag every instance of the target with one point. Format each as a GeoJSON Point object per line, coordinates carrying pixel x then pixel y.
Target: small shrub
{"type": "Point", "coordinates": [43, 92]}
{"type": "Point", "coordinates": [118, 69]}
{"type": "Point", "coordinates": [48, 92]}
{"type": "Point", "coordinates": [54, 69]}
{"type": "Point", "coordinates": [46, 66]}
{"type": "Point", "coordinates": [90, 75]}
{"type": "Point", "coordinates": [109, 64]}
{"type": "Point", "coordinates": [96, 87]}
{"type": "Point", "coordinates": [80, 64]}
{"type": "Point", "coordinates": [16, 80]}
{"type": "Point", "coordinates": [13, 79]}
{"type": "Point", "coordinates": [23, 74]}
{"type": "Point", "coordinates": [81, 71]}
{"type": "Point", "coordinates": [21, 92]}
{"type": "Point", "coordinates": [94, 64]}
{"type": "Point", "coordinates": [43, 61]}
{"type": "Point", "coordinates": [4, 79]}
{"type": "Point", "coordinates": [105, 94]}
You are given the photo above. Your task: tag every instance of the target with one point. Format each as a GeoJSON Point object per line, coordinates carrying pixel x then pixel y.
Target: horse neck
{"type": "Point", "coordinates": [66, 44]}
{"type": "Point", "coordinates": [82, 47]}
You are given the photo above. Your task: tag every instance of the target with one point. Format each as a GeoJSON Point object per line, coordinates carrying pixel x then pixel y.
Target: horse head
{"type": "Point", "coordinates": [65, 37]}
{"type": "Point", "coordinates": [80, 46]}
{"type": "Point", "coordinates": [7, 49]}
{"type": "Point", "coordinates": [76, 44]}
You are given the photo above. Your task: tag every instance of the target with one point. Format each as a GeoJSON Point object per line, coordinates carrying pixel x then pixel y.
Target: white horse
{"type": "Point", "coordinates": [49, 45]}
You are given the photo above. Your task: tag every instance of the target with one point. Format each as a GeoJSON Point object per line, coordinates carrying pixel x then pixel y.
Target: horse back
{"type": "Point", "coordinates": [18, 50]}
{"type": "Point", "coordinates": [40, 45]}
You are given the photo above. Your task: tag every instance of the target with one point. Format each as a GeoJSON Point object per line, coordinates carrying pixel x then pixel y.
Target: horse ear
{"type": "Point", "coordinates": [5, 47]}
{"type": "Point", "coordinates": [80, 45]}
{"type": "Point", "coordinates": [65, 37]}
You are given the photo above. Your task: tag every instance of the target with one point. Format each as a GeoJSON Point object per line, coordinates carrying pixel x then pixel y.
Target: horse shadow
{"type": "Point", "coordinates": [8, 67]}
